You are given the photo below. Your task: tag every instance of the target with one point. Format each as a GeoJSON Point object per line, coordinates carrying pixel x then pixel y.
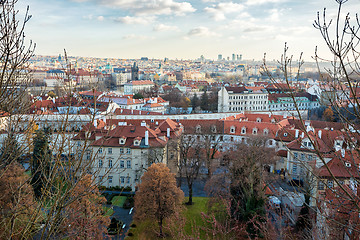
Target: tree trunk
{"type": "Point", "coordinates": [190, 202]}
{"type": "Point", "coordinates": [180, 180]}
{"type": "Point", "coordinates": [161, 229]}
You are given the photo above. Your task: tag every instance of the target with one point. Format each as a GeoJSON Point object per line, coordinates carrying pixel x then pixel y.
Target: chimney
{"type": "Point", "coordinates": [132, 111]}
{"type": "Point", "coordinates": [168, 132]}
{"type": "Point", "coordinates": [139, 112]}
{"type": "Point", "coordinates": [147, 138]}
{"type": "Point", "coordinates": [104, 119]}
{"type": "Point", "coordinates": [342, 152]}
{"type": "Point", "coordinates": [143, 123]}
{"type": "Point", "coordinates": [95, 123]}
{"type": "Point", "coordinates": [296, 133]}
{"type": "Point", "coordinates": [319, 133]}
{"type": "Point", "coordinates": [302, 135]}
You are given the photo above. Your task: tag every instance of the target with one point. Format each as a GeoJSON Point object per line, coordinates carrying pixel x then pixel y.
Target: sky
{"type": "Point", "coordinates": [178, 29]}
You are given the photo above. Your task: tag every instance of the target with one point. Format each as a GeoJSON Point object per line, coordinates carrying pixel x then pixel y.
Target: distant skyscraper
{"type": "Point", "coordinates": [134, 72]}
{"type": "Point", "coordinates": [219, 57]}
{"type": "Point", "coordinates": [240, 57]}
{"type": "Point", "coordinates": [233, 56]}
{"type": "Point", "coordinates": [237, 57]}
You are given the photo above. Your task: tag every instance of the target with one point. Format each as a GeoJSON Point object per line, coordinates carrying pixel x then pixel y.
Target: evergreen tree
{"type": "Point", "coordinates": [204, 104]}
{"type": "Point", "coordinates": [40, 164]}
{"type": "Point", "coordinates": [194, 102]}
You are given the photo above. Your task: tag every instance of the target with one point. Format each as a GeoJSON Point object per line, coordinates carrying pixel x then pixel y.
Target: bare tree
{"type": "Point", "coordinates": [340, 92]}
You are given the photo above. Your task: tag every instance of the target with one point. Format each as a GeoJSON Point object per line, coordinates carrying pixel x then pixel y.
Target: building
{"type": "Point", "coordinates": [137, 86]}
{"type": "Point", "coordinates": [120, 154]}
{"type": "Point", "coordinates": [240, 99]}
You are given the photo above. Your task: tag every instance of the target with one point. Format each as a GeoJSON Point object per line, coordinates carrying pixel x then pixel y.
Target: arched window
{"type": "Point", "coordinates": [266, 131]}
{"type": "Point", "coordinates": [243, 130]}
{"type": "Point", "coordinates": [232, 129]}
{"type": "Point", "coordinates": [254, 131]}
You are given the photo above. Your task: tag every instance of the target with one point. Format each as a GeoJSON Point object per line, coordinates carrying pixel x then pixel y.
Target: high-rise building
{"type": "Point", "coordinates": [220, 57]}
{"type": "Point", "coordinates": [233, 56]}
{"type": "Point", "coordinates": [134, 72]}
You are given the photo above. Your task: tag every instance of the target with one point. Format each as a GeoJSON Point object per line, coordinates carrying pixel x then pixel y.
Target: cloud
{"type": "Point", "coordinates": [92, 17]}
{"type": "Point", "coordinates": [218, 11]}
{"type": "Point", "coordinates": [144, 20]}
{"type": "Point", "coordinates": [137, 37]}
{"type": "Point", "coordinates": [164, 28]}
{"type": "Point", "coordinates": [150, 7]}
{"type": "Point", "coordinates": [260, 2]}
{"type": "Point", "coordinates": [201, 32]}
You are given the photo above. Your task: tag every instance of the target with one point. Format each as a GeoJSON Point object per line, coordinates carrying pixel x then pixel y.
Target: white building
{"type": "Point", "coordinates": [238, 99]}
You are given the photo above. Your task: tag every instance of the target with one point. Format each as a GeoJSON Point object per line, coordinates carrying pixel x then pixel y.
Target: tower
{"type": "Point", "coordinates": [134, 72]}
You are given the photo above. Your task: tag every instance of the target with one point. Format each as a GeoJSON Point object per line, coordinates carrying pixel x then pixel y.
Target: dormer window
{"type": "Point", "coordinates": [285, 134]}
{"type": "Point", "coordinates": [258, 120]}
{"type": "Point", "coordinates": [232, 129]}
{"type": "Point", "coordinates": [213, 129]}
{"type": "Point", "coordinates": [122, 141]}
{"type": "Point", "coordinates": [266, 131]}
{"type": "Point", "coordinates": [243, 130]}
{"type": "Point", "coordinates": [137, 142]}
{"type": "Point", "coordinates": [198, 129]}
{"type": "Point", "coordinates": [347, 164]}
{"type": "Point", "coordinates": [254, 131]}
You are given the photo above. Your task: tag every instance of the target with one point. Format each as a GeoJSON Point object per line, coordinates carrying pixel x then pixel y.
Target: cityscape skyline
{"type": "Point", "coordinates": [177, 29]}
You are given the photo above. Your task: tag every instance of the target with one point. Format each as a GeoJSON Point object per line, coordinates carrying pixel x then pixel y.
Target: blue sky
{"type": "Point", "coordinates": [183, 29]}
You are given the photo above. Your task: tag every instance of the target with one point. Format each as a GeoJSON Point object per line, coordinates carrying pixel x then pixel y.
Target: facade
{"type": "Point", "coordinates": [120, 154]}
{"type": "Point", "coordinates": [240, 99]}
{"type": "Point", "coordinates": [285, 102]}
{"type": "Point", "coordinates": [137, 86]}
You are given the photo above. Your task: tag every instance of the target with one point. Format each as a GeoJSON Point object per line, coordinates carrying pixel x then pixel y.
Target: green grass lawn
{"type": "Point", "coordinates": [118, 201]}
{"type": "Point", "coordinates": [192, 213]}
{"type": "Point", "coordinates": [108, 211]}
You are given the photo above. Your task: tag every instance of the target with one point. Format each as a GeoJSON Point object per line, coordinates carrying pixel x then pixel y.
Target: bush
{"type": "Point", "coordinates": [130, 234]}
{"type": "Point", "coordinates": [133, 225]}
{"type": "Point", "coordinates": [114, 227]}
{"type": "Point", "coordinates": [129, 203]}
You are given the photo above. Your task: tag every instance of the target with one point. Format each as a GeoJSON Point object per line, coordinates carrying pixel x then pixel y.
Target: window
{"type": "Point", "coordinates": [232, 139]}
{"type": "Point", "coordinates": [121, 150]}
{"type": "Point", "coordinates": [341, 182]}
{"type": "Point", "coordinates": [254, 131]}
{"type": "Point", "coordinates": [128, 180]}
{"type": "Point", "coordinates": [128, 164]}
{"type": "Point", "coordinates": [330, 184]}
{"type": "Point", "coordinates": [243, 130]}
{"type": "Point", "coordinates": [110, 163]}
{"type": "Point", "coordinates": [232, 129]}
{"type": "Point", "coordinates": [321, 185]}
{"type": "Point", "coordinates": [100, 150]}
{"type": "Point", "coordinates": [109, 150]}
{"type": "Point", "coordinates": [198, 129]}
{"type": "Point", "coordinates": [110, 180]}
{"type": "Point", "coordinates": [100, 163]}
{"type": "Point", "coordinates": [122, 180]}
{"type": "Point", "coordinates": [294, 170]}
{"type": "Point", "coordinates": [266, 131]}
{"type": "Point", "coordinates": [122, 163]}
{"type": "Point", "coordinates": [310, 157]}
{"type": "Point", "coordinates": [302, 157]}
{"type": "Point", "coordinates": [88, 155]}
{"type": "Point", "coordinates": [295, 155]}
{"type": "Point", "coordinates": [128, 151]}
{"type": "Point", "coordinates": [100, 178]}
